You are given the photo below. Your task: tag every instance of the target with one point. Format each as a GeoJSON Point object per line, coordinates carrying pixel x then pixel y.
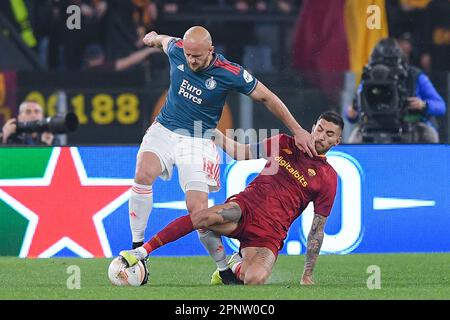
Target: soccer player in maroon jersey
{"type": "Point", "coordinates": [260, 216]}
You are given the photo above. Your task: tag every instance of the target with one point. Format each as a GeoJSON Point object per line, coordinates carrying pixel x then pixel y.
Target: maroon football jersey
{"type": "Point", "coordinates": [286, 185]}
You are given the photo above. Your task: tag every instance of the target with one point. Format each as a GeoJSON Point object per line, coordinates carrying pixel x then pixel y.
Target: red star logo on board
{"type": "Point", "coordinates": [65, 208]}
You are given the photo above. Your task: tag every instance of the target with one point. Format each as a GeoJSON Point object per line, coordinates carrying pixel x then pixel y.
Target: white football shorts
{"type": "Point", "coordinates": [197, 159]}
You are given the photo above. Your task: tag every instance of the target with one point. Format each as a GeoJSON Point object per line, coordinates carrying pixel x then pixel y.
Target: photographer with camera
{"type": "Point", "coordinates": [29, 111]}
{"type": "Point", "coordinates": [31, 128]}
{"type": "Point", "coordinates": [395, 102]}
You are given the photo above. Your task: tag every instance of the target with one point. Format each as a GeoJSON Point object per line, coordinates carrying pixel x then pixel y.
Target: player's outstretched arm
{"type": "Point", "coordinates": [152, 39]}
{"type": "Point", "coordinates": [236, 150]}
{"type": "Point", "coordinates": [314, 243]}
{"type": "Point", "coordinates": [303, 139]}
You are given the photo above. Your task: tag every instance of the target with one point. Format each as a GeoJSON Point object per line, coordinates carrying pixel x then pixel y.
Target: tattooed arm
{"type": "Point", "coordinates": [315, 239]}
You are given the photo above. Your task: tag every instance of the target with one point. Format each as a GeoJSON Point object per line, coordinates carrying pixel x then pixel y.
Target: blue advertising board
{"type": "Point", "coordinates": [390, 199]}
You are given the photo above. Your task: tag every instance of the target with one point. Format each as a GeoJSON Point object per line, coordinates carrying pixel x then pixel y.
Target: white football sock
{"type": "Point", "coordinates": [140, 206]}
{"type": "Point", "coordinates": [213, 244]}
{"type": "Point", "coordinates": [236, 267]}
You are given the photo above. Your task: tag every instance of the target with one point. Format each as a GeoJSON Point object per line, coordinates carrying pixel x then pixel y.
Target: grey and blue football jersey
{"type": "Point", "coordinates": [196, 98]}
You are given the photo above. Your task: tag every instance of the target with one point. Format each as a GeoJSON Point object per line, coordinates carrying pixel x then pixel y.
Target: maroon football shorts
{"type": "Point", "coordinates": [252, 231]}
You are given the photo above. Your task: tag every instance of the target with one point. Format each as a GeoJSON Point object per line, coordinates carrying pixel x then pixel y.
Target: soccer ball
{"type": "Point", "coordinates": [120, 275]}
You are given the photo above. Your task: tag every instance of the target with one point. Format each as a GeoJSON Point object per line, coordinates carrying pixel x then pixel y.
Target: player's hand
{"type": "Point", "coordinates": [149, 39]}
{"type": "Point", "coordinates": [305, 142]}
{"type": "Point", "coordinates": [306, 280]}
{"type": "Point", "coordinates": [8, 129]}
{"type": "Point", "coordinates": [47, 138]}
{"type": "Point", "coordinates": [415, 103]}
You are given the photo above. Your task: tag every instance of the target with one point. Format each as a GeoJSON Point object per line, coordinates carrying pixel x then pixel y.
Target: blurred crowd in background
{"type": "Point", "coordinates": [423, 31]}
{"type": "Point", "coordinates": [311, 52]}
{"type": "Point", "coordinates": [116, 27]}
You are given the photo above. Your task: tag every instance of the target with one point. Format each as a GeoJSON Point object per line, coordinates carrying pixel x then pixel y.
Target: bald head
{"type": "Point", "coordinates": [197, 35]}
{"type": "Point", "coordinates": [198, 48]}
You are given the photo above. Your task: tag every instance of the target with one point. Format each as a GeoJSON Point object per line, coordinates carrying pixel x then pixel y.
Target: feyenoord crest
{"type": "Point", "coordinates": [210, 83]}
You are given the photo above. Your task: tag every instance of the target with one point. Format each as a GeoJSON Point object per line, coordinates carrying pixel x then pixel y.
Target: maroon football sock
{"type": "Point", "coordinates": [173, 231]}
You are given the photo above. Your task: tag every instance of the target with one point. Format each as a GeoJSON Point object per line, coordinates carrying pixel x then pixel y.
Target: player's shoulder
{"type": "Point", "coordinates": [175, 46]}
{"type": "Point", "coordinates": [227, 67]}
{"type": "Point", "coordinates": [331, 169]}
{"type": "Point", "coordinates": [329, 173]}
{"type": "Point", "coordinates": [282, 138]}
{"type": "Point", "coordinates": [286, 137]}
{"type": "Point", "coordinates": [288, 141]}
{"type": "Point", "coordinates": [176, 42]}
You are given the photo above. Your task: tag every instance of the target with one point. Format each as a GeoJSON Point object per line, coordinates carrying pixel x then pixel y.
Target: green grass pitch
{"type": "Point", "coordinates": [403, 276]}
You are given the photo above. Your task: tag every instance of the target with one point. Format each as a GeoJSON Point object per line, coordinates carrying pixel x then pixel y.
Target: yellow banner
{"type": "Point", "coordinates": [366, 24]}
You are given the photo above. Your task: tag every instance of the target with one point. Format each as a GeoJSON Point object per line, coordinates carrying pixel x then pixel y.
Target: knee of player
{"type": "Point", "coordinates": [255, 278]}
{"type": "Point", "coordinates": [144, 177]}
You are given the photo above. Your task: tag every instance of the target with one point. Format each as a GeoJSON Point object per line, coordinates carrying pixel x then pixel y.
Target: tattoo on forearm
{"type": "Point", "coordinates": [315, 239]}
